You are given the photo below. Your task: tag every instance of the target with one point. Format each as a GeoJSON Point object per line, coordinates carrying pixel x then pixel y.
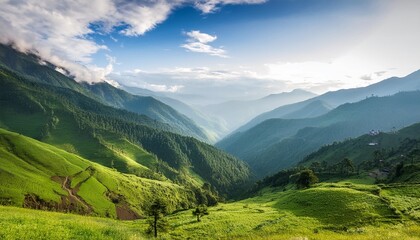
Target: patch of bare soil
{"type": "Point", "coordinates": [125, 213]}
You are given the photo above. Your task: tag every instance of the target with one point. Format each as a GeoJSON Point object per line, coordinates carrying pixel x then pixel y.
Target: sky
{"type": "Point", "coordinates": [220, 49]}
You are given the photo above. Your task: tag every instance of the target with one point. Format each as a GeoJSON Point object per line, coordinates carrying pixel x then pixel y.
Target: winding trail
{"type": "Point", "coordinates": [66, 186]}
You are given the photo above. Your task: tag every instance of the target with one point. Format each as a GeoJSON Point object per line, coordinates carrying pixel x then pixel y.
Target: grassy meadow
{"type": "Point", "coordinates": [328, 211]}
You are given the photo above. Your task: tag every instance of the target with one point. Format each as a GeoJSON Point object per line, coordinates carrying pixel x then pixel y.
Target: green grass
{"type": "Point", "coordinates": [328, 211]}
{"type": "Point", "coordinates": [100, 202]}
{"type": "Point", "coordinates": [27, 167]}
{"type": "Point", "coordinates": [405, 198]}
{"type": "Point", "coordinates": [17, 223]}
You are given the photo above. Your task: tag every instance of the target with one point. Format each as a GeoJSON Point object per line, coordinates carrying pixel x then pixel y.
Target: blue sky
{"type": "Point", "coordinates": [220, 49]}
{"type": "Point", "coordinates": [268, 30]}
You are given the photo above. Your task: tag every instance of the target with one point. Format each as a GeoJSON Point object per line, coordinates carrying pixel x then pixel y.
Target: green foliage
{"type": "Point", "coordinates": [157, 210]}
{"type": "Point", "coordinates": [200, 211]}
{"type": "Point", "coordinates": [306, 178]}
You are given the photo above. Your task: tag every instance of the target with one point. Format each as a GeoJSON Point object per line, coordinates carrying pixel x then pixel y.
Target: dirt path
{"type": "Point", "coordinates": [66, 186]}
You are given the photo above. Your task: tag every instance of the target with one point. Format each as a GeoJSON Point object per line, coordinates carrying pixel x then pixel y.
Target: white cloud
{"type": "Point", "coordinates": [201, 37]}
{"type": "Point", "coordinates": [199, 42]}
{"type": "Point", "coordinates": [144, 17]}
{"type": "Point", "coordinates": [208, 6]}
{"type": "Point", "coordinates": [163, 88]}
{"type": "Point", "coordinates": [58, 31]}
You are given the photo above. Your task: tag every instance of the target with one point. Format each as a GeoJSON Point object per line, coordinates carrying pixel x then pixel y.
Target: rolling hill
{"type": "Point", "coordinates": [40, 176]}
{"type": "Point", "coordinates": [280, 143]}
{"type": "Point", "coordinates": [327, 211]}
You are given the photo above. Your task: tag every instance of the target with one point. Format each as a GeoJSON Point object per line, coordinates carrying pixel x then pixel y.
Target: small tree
{"type": "Point", "coordinates": [200, 211]}
{"type": "Point", "coordinates": [347, 166]}
{"type": "Point", "coordinates": [306, 179]}
{"type": "Point", "coordinates": [157, 211]}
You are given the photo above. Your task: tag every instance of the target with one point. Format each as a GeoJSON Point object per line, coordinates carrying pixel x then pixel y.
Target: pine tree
{"type": "Point", "coordinates": [157, 211]}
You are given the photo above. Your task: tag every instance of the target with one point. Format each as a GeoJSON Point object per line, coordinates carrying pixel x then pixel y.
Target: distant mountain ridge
{"type": "Point", "coordinates": [279, 143]}
{"type": "Point", "coordinates": [333, 99]}
{"type": "Point", "coordinates": [236, 113]}
{"type": "Point", "coordinates": [210, 125]}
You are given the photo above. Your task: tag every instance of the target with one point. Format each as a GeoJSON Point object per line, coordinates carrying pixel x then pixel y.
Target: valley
{"type": "Point", "coordinates": [209, 119]}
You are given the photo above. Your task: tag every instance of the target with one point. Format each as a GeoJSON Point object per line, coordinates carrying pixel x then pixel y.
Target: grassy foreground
{"type": "Point", "coordinates": [328, 211]}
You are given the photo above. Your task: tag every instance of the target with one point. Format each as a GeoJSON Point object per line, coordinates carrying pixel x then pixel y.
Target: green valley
{"type": "Point", "coordinates": [209, 120]}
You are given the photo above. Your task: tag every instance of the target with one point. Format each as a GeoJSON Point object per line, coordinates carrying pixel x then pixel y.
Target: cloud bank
{"type": "Point", "coordinates": [60, 31]}
{"type": "Point", "coordinates": [209, 86]}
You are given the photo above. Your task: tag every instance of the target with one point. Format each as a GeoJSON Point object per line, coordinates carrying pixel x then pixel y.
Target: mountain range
{"type": "Point", "coordinates": [335, 98]}
{"type": "Point", "coordinates": [279, 143]}
{"type": "Point", "coordinates": [236, 113]}
{"type": "Point", "coordinates": [213, 128]}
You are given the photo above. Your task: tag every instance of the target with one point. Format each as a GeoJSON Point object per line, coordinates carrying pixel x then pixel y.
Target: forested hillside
{"type": "Point", "coordinates": [35, 69]}
{"type": "Point", "coordinates": [127, 141]}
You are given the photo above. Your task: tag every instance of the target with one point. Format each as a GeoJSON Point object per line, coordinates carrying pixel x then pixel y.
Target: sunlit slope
{"type": "Point", "coordinates": [328, 211]}
{"type": "Point", "coordinates": [38, 175]}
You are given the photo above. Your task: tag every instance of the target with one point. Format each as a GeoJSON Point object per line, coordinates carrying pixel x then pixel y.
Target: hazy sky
{"type": "Point", "coordinates": [221, 48]}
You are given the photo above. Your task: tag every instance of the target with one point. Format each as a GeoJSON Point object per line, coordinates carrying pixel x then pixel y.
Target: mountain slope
{"type": "Point", "coordinates": [34, 69]}
{"type": "Point", "coordinates": [148, 106]}
{"type": "Point", "coordinates": [116, 138]}
{"type": "Point", "coordinates": [236, 113]}
{"type": "Point", "coordinates": [333, 99]}
{"type": "Point", "coordinates": [281, 143]}
{"type": "Point", "coordinates": [395, 146]}
{"type": "Point", "coordinates": [212, 127]}
{"type": "Point", "coordinates": [37, 175]}
{"type": "Point", "coordinates": [313, 109]}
